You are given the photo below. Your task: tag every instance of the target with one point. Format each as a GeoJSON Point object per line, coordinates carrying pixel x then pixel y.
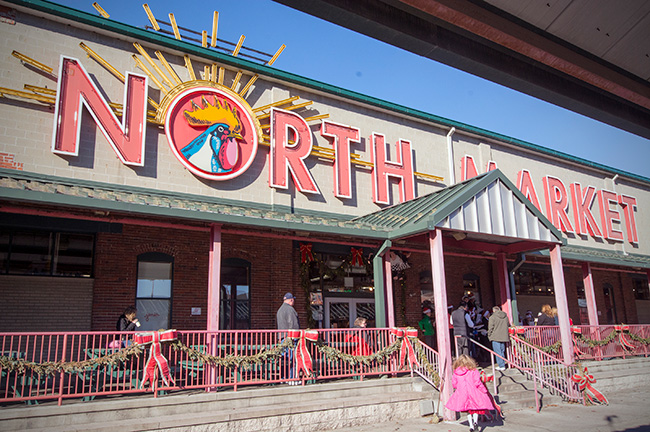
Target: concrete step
{"type": "Point", "coordinates": [615, 364]}
{"type": "Point", "coordinates": [257, 407]}
{"type": "Point", "coordinates": [259, 418]}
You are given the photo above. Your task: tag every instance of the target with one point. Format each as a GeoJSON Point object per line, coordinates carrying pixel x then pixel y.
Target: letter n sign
{"type": "Point", "coordinates": [75, 89]}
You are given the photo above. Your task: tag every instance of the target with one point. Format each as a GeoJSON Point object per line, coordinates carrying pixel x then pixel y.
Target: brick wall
{"type": "Point", "coordinates": [39, 303]}
{"type": "Point", "coordinates": [622, 296]}
{"type": "Point", "coordinates": [455, 268]}
{"type": "Point", "coordinates": [7, 160]}
{"type": "Point", "coordinates": [273, 273]}
{"type": "Point", "coordinates": [116, 265]}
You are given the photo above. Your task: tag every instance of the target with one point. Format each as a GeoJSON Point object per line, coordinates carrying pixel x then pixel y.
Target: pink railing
{"type": "Point", "coordinates": [599, 342]}
{"type": "Point", "coordinates": [546, 368]}
{"type": "Point", "coordinates": [430, 369]}
{"type": "Point", "coordinates": [94, 364]}
{"type": "Point", "coordinates": [591, 342]}
{"type": "Point", "coordinates": [526, 370]}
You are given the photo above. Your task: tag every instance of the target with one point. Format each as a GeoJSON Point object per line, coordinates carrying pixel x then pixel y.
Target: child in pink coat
{"type": "Point", "coordinates": [471, 395]}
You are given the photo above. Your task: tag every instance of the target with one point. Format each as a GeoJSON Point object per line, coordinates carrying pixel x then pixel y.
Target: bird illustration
{"type": "Point", "coordinates": [215, 150]}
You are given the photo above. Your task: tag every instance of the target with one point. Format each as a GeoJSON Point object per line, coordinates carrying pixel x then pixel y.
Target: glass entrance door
{"type": "Point", "coordinates": [341, 312]}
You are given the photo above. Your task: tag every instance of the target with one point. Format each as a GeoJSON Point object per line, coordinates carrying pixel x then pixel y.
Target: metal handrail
{"type": "Point", "coordinates": [551, 372]}
{"type": "Point", "coordinates": [527, 370]}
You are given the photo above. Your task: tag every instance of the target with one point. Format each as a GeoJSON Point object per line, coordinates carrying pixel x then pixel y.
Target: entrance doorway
{"type": "Point", "coordinates": [340, 312]}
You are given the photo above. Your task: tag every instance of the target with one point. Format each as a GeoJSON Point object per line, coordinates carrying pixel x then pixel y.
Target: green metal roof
{"type": "Point", "coordinates": [601, 256]}
{"type": "Point", "coordinates": [209, 54]}
{"type": "Point", "coordinates": [402, 220]}
{"type": "Point", "coordinates": [33, 188]}
{"type": "Point", "coordinates": [487, 204]}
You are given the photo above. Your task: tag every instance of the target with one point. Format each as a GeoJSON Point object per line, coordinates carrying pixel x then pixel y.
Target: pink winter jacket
{"type": "Point", "coordinates": [471, 393]}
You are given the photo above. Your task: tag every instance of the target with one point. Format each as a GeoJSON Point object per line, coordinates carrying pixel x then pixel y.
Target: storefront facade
{"type": "Point", "coordinates": [221, 184]}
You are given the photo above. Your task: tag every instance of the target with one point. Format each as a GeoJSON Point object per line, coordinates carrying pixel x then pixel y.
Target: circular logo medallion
{"type": "Point", "coordinates": [212, 132]}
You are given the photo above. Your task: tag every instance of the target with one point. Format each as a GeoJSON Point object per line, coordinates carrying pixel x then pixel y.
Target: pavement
{"type": "Point", "coordinates": [628, 411]}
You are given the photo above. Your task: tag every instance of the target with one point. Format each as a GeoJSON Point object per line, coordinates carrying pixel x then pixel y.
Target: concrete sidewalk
{"type": "Point", "coordinates": [627, 411]}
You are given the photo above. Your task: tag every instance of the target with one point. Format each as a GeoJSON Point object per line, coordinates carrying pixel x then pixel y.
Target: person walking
{"type": "Point", "coordinates": [471, 395]}
{"type": "Point", "coordinates": [287, 319]}
{"type": "Point", "coordinates": [426, 326]}
{"type": "Point", "coordinates": [462, 326]}
{"type": "Point", "coordinates": [498, 334]}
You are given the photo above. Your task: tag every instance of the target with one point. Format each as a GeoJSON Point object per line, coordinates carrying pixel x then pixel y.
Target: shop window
{"type": "Point", "coordinates": [235, 312]}
{"type": "Point", "coordinates": [610, 304]}
{"type": "Point", "coordinates": [46, 253]}
{"type": "Point", "coordinates": [154, 290]}
{"type": "Point", "coordinates": [339, 291]}
{"type": "Point", "coordinates": [534, 282]}
{"type": "Point", "coordinates": [640, 289]}
{"type": "Point", "coordinates": [471, 288]}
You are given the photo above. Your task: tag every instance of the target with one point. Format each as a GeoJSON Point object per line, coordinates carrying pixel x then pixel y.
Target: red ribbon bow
{"type": "Point", "coordinates": [585, 382]}
{"type": "Point", "coordinates": [305, 253]}
{"type": "Point", "coordinates": [302, 355]}
{"type": "Point", "coordinates": [357, 257]}
{"type": "Point", "coordinates": [516, 330]}
{"type": "Point", "coordinates": [486, 378]}
{"type": "Point", "coordinates": [155, 355]}
{"type": "Point", "coordinates": [621, 329]}
{"type": "Point", "coordinates": [407, 351]}
{"type": "Point", "coordinates": [576, 329]}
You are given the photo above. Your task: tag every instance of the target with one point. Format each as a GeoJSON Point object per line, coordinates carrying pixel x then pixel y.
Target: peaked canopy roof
{"type": "Point", "coordinates": [486, 205]}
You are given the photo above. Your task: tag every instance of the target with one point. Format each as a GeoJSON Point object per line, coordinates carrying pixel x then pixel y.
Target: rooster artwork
{"type": "Point", "coordinates": [216, 150]}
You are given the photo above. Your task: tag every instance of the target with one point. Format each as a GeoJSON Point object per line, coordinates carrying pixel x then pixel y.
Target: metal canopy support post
{"type": "Point", "coordinates": [504, 289]}
{"type": "Point", "coordinates": [378, 274]}
{"type": "Point", "coordinates": [588, 281]}
{"type": "Point", "coordinates": [214, 278]}
{"type": "Point", "coordinates": [562, 304]}
{"type": "Point", "coordinates": [442, 319]}
{"type": "Point", "coordinates": [388, 274]}
{"type": "Point", "coordinates": [513, 291]}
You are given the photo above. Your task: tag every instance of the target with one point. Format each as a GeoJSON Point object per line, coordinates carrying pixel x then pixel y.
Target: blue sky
{"type": "Point", "coordinates": [325, 52]}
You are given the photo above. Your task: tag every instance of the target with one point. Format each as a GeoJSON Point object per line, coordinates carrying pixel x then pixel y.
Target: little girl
{"type": "Point", "coordinates": [471, 395]}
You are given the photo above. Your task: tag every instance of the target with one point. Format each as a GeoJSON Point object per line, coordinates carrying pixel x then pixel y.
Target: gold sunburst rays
{"type": "Point", "coordinates": [169, 82]}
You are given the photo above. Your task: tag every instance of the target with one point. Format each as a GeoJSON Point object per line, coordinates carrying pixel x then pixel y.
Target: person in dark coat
{"type": "Point", "coordinates": [546, 316]}
{"type": "Point", "coordinates": [128, 321]}
{"type": "Point", "coordinates": [498, 334]}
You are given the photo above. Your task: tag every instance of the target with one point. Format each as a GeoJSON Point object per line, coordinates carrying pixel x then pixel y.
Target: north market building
{"type": "Point", "coordinates": [143, 168]}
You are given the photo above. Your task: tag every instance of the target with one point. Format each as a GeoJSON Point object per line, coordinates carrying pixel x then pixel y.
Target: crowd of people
{"type": "Point", "coordinates": [488, 327]}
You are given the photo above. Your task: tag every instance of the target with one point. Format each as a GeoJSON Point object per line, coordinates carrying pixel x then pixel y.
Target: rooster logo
{"type": "Point", "coordinates": [216, 150]}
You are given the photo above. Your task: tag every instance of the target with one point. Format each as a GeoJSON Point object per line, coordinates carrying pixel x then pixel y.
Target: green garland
{"type": "Point", "coordinates": [551, 349]}
{"type": "Point", "coordinates": [637, 338]}
{"type": "Point", "coordinates": [50, 368]}
{"type": "Point", "coordinates": [592, 343]}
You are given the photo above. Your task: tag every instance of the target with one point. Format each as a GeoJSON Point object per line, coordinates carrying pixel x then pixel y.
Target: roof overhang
{"type": "Point", "coordinates": [484, 40]}
{"type": "Point", "coordinates": [485, 213]}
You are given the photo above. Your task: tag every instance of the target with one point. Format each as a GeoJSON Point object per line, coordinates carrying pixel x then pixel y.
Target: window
{"type": "Point", "coordinates": [534, 282]}
{"type": "Point", "coordinates": [154, 290]}
{"type": "Point", "coordinates": [235, 313]}
{"type": "Point", "coordinates": [46, 253]}
{"type": "Point", "coordinates": [610, 304]}
{"type": "Point", "coordinates": [471, 287]}
{"type": "Point", "coordinates": [641, 289]}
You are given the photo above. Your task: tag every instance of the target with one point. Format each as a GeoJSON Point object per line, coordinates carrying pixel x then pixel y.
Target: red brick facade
{"type": "Point", "coordinates": [66, 304]}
